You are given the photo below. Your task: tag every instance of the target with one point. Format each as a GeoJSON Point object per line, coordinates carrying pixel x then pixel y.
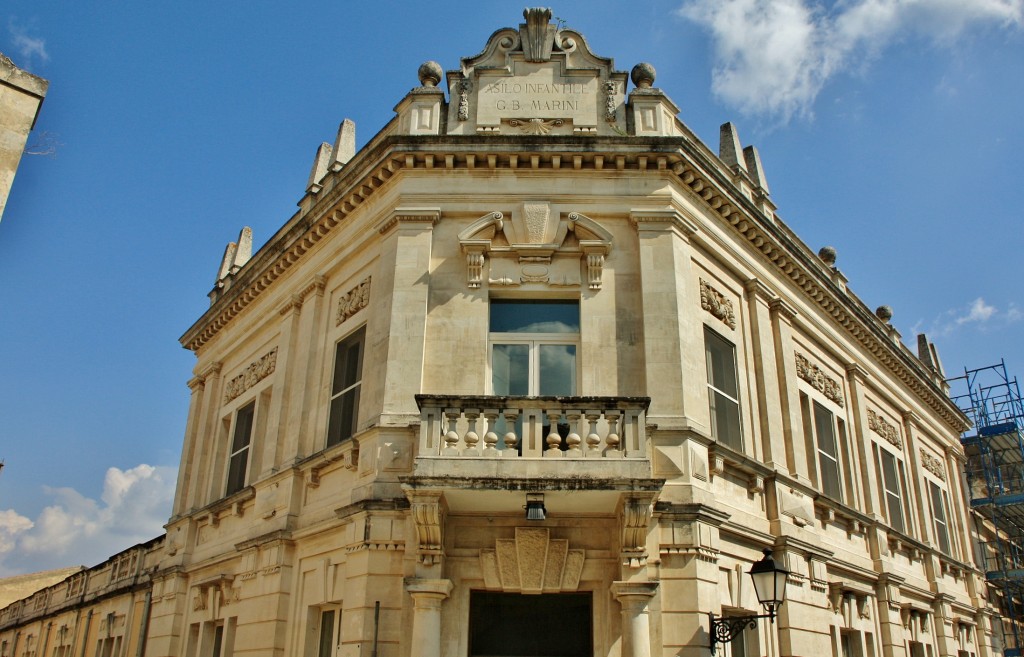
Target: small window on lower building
{"type": "Point", "coordinates": [241, 440]}
{"type": "Point", "coordinates": [325, 637]}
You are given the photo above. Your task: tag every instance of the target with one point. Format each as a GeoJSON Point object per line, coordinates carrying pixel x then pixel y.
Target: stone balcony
{"type": "Point", "coordinates": [476, 449]}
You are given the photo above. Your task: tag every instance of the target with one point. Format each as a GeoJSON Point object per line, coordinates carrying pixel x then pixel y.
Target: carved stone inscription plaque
{"type": "Point", "coordinates": [538, 91]}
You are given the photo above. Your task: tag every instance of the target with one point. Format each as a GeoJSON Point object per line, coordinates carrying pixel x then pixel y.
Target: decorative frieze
{"type": "Point", "coordinates": [820, 381]}
{"type": "Point", "coordinates": [879, 425]}
{"type": "Point", "coordinates": [932, 464]}
{"type": "Point", "coordinates": [256, 372]}
{"type": "Point", "coordinates": [353, 301]}
{"type": "Point", "coordinates": [715, 303]}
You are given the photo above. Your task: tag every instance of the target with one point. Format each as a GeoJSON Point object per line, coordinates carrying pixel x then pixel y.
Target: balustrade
{"type": "Point", "coordinates": [533, 427]}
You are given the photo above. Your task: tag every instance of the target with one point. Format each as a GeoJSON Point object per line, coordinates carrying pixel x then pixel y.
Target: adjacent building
{"type": "Point", "coordinates": [21, 95]}
{"type": "Point", "coordinates": [537, 372]}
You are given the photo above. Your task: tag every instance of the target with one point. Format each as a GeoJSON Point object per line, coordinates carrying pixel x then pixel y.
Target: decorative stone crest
{"type": "Point", "coordinates": [715, 303]}
{"type": "Point", "coordinates": [532, 562]}
{"type": "Point", "coordinates": [820, 381]}
{"type": "Point", "coordinates": [932, 464]}
{"type": "Point", "coordinates": [879, 425]}
{"type": "Point", "coordinates": [256, 372]}
{"type": "Point", "coordinates": [353, 301]}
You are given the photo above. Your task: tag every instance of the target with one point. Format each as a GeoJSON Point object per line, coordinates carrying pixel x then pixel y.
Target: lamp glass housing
{"type": "Point", "coordinates": [769, 582]}
{"type": "Point", "coordinates": [535, 507]}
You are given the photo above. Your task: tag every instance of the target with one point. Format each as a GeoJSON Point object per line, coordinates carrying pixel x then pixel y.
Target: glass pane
{"type": "Point", "coordinates": [510, 369]}
{"type": "Point", "coordinates": [557, 369]}
{"type": "Point", "coordinates": [348, 362]}
{"type": "Point", "coordinates": [830, 476]}
{"type": "Point", "coordinates": [236, 472]}
{"type": "Point", "coordinates": [825, 430]}
{"type": "Point", "coordinates": [725, 420]}
{"type": "Point", "coordinates": [243, 427]}
{"type": "Point", "coordinates": [342, 422]}
{"type": "Point", "coordinates": [326, 633]}
{"type": "Point", "coordinates": [218, 640]}
{"type": "Point", "coordinates": [532, 316]}
{"type": "Point", "coordinates": [721, 363]}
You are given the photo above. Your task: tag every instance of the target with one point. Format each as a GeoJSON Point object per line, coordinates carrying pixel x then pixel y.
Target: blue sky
{"type": "Point", "coordinates": [890, 130]}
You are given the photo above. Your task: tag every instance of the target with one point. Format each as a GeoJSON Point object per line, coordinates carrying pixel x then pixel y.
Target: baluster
{"type": "Point", "coordinates": [472, 437]}
{"type": "Point", "coordinates": [491, 438]}
{"type": "Point", "coordinates": [554, 440]}
{"type": "Point", "coordinates": [510, 439]}
{"type": "Point", "coordinates": [451, 437]}
{"type": "Point", "coordinates": [593, 440]}
{"type": "Point", "coordinates": [612, 450]}
{"type": "Point", "coordinates": [573, 440]}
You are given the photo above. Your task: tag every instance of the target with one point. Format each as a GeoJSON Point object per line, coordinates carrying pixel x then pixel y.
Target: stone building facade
{"type": "Point", "coordinates": [535, 284]}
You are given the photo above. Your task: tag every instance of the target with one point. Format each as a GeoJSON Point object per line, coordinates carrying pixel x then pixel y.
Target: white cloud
{"type": "Point", "coordinates": [77, 530]}
{"type": "Point", "coordinates": [978, 313]}
{"type": "Point", "coordinates": [772, 57]}
{"type": "Point", "coordinates": [27, 47]}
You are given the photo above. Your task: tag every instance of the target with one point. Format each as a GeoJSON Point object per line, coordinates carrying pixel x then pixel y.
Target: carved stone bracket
{"type": "Point", "coordinates": [532, 562]}
{"type": "Point", "coordinates": [253, 374]}
{"type": "Point", "coordinates": [428, 511]}
{"type": "Point", "coordinates": [932, 464]}
{"type": "Point", "coordinates": [717, 304]}
{"type": "Point", "coordinates": [353, 301]}
{"type": "Point", "coordinates": [820, 381]}
{"type": "Point", "coordinates": [636, 519]}
{"type": "Point", "coordinates": [878, 424]}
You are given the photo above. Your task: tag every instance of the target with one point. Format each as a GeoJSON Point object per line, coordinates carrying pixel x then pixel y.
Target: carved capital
{"type": "Point", "coordinates": [782, 310]}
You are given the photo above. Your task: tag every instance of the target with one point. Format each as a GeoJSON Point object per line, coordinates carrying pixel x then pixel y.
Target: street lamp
{"type": "Point", "coordinates": [770, 587]}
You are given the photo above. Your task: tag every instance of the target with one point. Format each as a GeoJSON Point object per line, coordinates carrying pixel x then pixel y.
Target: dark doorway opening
{"type": "Point", "coordinates": [515, 625]}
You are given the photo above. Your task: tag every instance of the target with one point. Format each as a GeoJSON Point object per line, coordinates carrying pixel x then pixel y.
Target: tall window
{"type": "Point", "coordinates": [241, 439]}
{"type": "Point", "coordinates": [828, 452]}
{"type": "Point", "coordinates": [723, 389]}
{"type": "Point", "coordinates": [533, 346]}
{"type": "Point", "coordinates": [348, 379]}
{"type": "Point", "coordinates": [891, 486]}
{"type": "Point", "coordinates": [939, 513]}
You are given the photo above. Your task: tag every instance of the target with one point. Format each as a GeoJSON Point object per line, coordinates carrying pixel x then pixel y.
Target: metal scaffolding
{"type": "Point", "coordinates": [995, 479]}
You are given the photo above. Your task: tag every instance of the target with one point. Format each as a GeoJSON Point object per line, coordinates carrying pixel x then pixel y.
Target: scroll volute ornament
{"type": "Point", "coordinates": [428, 511]}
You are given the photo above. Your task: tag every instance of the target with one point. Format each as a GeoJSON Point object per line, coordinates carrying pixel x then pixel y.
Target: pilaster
{"type": "Point", "coordinates": [206, 438]}
{"type": "Point", "coordinates": [890, 621]}
{"type": "Point", "coordinates": [186, 469]}
{"type": "Point", "coordinates": [670, 304]}
{"type": "Point", "coordinates": [766, 364]}
{"type": "Point", "coordinates": [782, 316]}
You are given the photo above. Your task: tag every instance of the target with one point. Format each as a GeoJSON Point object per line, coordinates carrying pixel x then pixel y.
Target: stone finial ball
{"type": "Point", "coordinates": [828, 255]}
{"type": "Point", "coordinates": [430, 73]}
{"type": "Point", "coordinates": [642, 75]}
{"type": "Point", "coordinates": [884, 313]}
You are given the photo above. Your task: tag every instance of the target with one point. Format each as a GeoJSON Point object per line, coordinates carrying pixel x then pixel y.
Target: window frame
{"type": "Point", "coordinates": [315, 636]}
{"type": "Point", "coordinates": [346, 424]}
{"type": "Point", "coordinates": [235, 480]}
{"type": "Point", "coordinates": [938, 497]}
{"type": "Point", "coordinates": [534, 342]}
{"type": "Point", "coordinates": [813, 414]}
{"type": "Point", "coordinates": [888, 495]}
{"type": "Point", "coordinates": [711, 336]}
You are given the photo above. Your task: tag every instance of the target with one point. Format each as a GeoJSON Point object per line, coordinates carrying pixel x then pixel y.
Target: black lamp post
{"type": "Point", "coordinates": [770, 587]}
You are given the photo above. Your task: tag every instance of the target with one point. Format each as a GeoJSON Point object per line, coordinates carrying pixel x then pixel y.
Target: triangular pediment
{"type": "Point", "coordinates": [540, 79]}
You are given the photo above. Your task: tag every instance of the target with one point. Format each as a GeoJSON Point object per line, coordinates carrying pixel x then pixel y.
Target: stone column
{"type": "Point", "coordinates": [427, 596]}
{"type": "Point", "coordinates": [636, 622]}
{"type": "Point", "coordinates": [782, 315]}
